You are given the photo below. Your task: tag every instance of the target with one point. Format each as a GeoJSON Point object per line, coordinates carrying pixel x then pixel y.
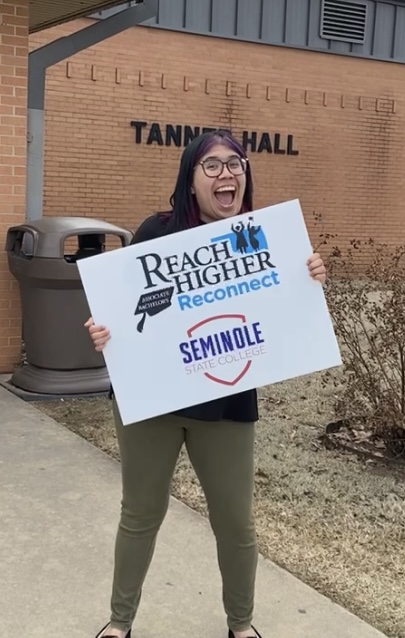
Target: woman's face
{"type": "Point", "coordinates": [218, 197]}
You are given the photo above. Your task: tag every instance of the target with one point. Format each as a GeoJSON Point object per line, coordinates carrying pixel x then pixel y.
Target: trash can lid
{"type": "Point", "coordinates": [50, 233]}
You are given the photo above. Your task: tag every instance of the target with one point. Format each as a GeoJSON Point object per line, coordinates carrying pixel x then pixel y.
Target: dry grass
{"type": "Point", "coordinates": [332, 519]}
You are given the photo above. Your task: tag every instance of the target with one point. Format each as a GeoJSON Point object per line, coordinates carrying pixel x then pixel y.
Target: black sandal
{"type": "Point", "coordinates": [232, 635]}
{"type": "Point", "coordinates": [100, 633]}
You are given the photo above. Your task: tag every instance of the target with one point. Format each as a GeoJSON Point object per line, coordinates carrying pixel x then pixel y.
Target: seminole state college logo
{"type": "Point", "coordinates": [223, 345]}
{"type": "Point", "coordinates": [223, 355]}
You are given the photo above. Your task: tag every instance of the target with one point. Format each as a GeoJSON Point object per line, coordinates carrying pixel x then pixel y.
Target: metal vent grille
{"type": "Point", "coordinates": [344, 20]}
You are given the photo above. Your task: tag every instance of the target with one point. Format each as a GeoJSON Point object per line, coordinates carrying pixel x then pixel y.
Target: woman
{"type": "Point", "coordinates": [214, 183]}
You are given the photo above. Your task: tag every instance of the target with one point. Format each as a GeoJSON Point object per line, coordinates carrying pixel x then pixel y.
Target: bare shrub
{"type": "Point", "coordinates": [368, 313]}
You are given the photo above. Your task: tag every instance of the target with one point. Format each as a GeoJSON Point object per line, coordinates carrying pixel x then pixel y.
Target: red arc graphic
{"type": "Point", "coordinates": [208, 374]}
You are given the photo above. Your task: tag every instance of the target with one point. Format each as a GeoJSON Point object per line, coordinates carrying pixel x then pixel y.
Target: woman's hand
{"type": "Point", "coordinates": [98, 334]}
{"type": "Point", "coordinates": [317, 268]}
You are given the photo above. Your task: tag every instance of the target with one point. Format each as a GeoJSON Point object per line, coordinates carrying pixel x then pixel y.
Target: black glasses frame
{"type": "Point", "coordinates": [243, 161]}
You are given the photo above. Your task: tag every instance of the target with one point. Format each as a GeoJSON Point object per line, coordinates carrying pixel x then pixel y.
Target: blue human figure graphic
{"type": "Point", "coordinates": [241, 243]}
{"type": "Point", "coordinates": [244, 239]}
{"type": "Point", "coordinates": [253, 231]}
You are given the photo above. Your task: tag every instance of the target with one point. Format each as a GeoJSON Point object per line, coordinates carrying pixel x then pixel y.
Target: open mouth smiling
{"type": "Point", "coordinates": [225, 195]}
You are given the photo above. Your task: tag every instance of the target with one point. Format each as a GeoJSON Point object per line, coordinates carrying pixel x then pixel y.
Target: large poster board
{"type": "Point", "coordinates": [210, 312]}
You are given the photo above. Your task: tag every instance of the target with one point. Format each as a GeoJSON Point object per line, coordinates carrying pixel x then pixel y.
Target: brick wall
{"type": "Point", "coordinates": [13, 114]}
{"type": "Point", "coordinates": [347, 117]}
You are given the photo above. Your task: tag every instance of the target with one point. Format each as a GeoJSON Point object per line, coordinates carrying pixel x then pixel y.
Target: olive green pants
{"type": "Point", "coordinates": [222, 454]}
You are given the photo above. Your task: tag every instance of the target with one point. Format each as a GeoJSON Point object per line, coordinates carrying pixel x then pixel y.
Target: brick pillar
{"type": "Point", "coordinates": [13, 140]}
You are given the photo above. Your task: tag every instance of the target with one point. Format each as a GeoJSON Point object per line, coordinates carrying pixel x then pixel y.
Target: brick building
{"type": "Point", "coordinates": [315, 90]}
{"type": "Point", "coordinates": [13, 116]}
{"type": "Point", "coordinates": [17, 19]}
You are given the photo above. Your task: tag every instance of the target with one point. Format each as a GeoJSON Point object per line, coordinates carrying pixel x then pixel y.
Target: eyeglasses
{"type": "Point", "coordinates": [214, 167]}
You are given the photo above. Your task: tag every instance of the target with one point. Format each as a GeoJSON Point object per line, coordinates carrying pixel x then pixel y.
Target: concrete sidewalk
{"type": "Point", "coordinates": [59, 505]}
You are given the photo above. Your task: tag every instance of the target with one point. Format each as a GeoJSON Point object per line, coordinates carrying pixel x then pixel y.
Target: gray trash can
{"type": "Point", "coordinates": [60, 357]}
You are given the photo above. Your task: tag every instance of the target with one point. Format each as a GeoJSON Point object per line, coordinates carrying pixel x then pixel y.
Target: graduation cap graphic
{"type": "Point", "coordinates": [151, 303]}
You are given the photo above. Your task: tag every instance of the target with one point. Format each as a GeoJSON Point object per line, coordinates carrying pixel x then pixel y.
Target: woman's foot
{"type": "Point", "coordinates": [112, 632]}
{"type": "Point", "coordinates": [249, 633]}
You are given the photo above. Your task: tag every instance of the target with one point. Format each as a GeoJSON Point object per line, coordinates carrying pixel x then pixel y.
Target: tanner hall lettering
{"type": "Point", "coordinates": [181, 135]}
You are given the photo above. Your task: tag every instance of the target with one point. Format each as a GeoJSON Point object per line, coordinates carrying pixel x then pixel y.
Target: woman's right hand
{"type": "Point", "coordinates": [98, 334]}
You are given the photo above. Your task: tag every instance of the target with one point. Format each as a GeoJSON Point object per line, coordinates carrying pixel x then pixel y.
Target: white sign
{"type": "Point", "coordinates": [210, 312]}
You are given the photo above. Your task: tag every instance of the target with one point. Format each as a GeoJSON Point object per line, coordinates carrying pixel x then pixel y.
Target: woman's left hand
{"type": "Point", "coordinates": [317, 268]}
